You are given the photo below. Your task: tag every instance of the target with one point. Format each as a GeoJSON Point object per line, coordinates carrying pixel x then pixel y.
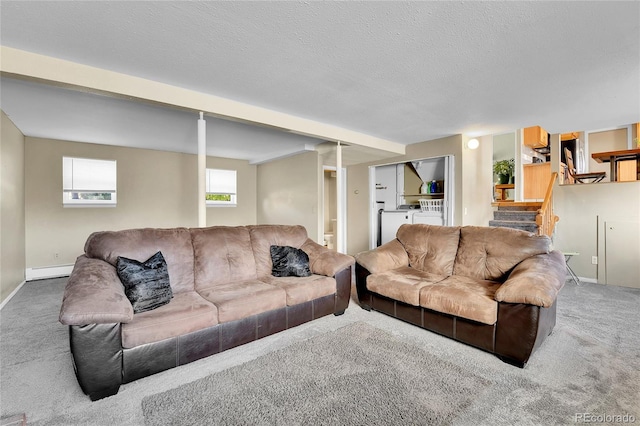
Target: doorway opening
{"type": "Point", "coordinates": [334, 238]}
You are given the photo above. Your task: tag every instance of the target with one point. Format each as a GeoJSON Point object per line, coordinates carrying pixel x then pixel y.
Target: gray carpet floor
{"type": "Point", "coordinates": [360, 375]}
{"type": "Point", "coordinates": [590, 365]}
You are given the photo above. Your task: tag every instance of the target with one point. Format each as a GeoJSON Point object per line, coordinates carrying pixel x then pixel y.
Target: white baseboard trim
{"type": "Point", "coordinates": [588, 280]}
{"type": "Point", "coordinates": [13, 293]}
{"type": "Point", "coordinates": [48, 272]}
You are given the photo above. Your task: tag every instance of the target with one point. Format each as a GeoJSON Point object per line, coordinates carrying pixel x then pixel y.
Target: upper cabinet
{"type": "Point", "coordinates": [535, 137]}
{"type": "Point", "coordinates": [569, 136]}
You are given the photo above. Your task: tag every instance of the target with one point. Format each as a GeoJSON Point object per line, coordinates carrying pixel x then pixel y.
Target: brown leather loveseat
{"type": "Point", "coordinates": [492, 288]}
{"type": "Point", "coordinates": [224, 295]}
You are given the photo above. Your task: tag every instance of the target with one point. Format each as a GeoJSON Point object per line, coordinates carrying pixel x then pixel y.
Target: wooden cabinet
{"type": "Point", "coordinates": [627, 170]}
{"type": "Point", "coordinates": [535, 137]}
{"type": "Point", "coordinates": [536, 179]}
{"type": "Point", "coordinates": [569, 136]}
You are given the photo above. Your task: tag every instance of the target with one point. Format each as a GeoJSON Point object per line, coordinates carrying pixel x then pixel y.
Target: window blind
{"type": "Point", "coordinates": [221, 181]}
{"type": "Point", "coordinates": [88, 175]}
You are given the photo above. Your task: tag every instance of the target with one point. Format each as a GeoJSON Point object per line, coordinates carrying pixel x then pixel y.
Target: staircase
{"type": "Point", "coordinates": [516, 215]}
{"type": "Point", "coordinates": [528, 216]}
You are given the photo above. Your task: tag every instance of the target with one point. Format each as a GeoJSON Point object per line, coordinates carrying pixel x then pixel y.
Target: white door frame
{"type": "Point", "coordinates": [341, 215]}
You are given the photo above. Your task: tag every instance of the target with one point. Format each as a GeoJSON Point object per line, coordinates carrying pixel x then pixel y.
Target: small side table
{"type": "Point", "coordinates": [567, 257]}
{"type": "Point", "coordinates": [501, 188]}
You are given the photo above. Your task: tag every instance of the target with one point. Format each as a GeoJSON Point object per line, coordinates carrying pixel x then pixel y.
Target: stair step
{"type": "Point", "coordinates": [516, 215]}
{"type": "Point", "coordinates": [515, 224]}
{"type": "Point", "coordinates": [528, 207]}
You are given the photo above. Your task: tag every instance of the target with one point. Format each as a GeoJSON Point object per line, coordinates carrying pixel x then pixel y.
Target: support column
{"type": "Point", "coordinates": [339, 201]}
{"type": "Point", "coordinates": [202, 172]}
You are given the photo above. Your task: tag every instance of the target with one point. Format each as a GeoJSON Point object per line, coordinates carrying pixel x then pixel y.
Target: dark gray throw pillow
{"type": "Point", "coordinates": [289, 262]}
{"type": "Point", "coordinates": [145, 284]}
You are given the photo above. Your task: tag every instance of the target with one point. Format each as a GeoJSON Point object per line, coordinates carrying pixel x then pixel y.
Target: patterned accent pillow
{"type": "Point", "coordinates": [289, 262]}
{"type": "Point", "coordinates": [145, 284]}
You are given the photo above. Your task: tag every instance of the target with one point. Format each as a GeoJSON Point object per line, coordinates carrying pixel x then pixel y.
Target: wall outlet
{"type": "Point", "coordinates": [56, 256]}
{"type": "Point", "coordinates": [594, 260]}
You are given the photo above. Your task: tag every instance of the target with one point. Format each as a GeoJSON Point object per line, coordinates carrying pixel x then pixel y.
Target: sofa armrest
{"type": "Point", "coordinates": [323, 261]}
{"type": "Point", "coordinates": [94, 295]}
{"type": "Point", "coordinates": [535, 281]}
{"type": "Point", "coordinates": [388, 256]}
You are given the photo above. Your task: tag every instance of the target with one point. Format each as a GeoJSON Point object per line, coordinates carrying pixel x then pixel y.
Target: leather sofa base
{"type": "Point", "coordinates": [102, 365]}
{"type": "Point", "coordinates": [518, 332]}
{"type": "Point", "coordinates": [152, 358]}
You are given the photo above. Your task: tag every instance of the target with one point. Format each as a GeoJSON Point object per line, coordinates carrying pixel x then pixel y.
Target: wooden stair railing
{"type": "Point", "coordinates": [545, 219]}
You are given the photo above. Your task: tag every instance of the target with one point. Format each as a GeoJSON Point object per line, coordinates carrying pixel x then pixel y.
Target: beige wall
{"type": "Point", "coordinates": [583, 209]}
{"type": "Point", "coordinates": [245, 212]}
{"type": "Point", "coordinates": [358, 203]}
{"type": "Point", "coordinates": [155, 189]}
{"type": "Point", "coordinates": [477, 183]}
{"type": "Point", "coordinates": [609, 140]}
{"type": "Point", "coordinates": [289, 192]}
{"type": "Point", "coordinates": [12, 223]}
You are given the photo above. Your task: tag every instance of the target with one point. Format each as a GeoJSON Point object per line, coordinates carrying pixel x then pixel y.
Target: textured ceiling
{"type": "Point", "coordinates": [402, 71]}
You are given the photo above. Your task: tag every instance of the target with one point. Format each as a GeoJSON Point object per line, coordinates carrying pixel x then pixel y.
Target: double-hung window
{"type": "Point", "coordinates": [88, 182]}
{"type": "Point", "coordinates": [221, 187]}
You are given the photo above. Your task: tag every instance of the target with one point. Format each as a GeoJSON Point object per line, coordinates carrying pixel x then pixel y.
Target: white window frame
{"type": "Point", "coordinates": [88, 176]}
{"type": "Point", "coordinates": [222, 182]}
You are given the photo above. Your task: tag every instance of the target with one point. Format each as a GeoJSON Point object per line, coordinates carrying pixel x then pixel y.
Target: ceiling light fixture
{"type": "Point", "coordinates": [473, 143]}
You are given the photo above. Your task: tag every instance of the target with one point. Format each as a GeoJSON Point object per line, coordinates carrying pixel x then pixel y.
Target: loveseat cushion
{"type": "Point", "coordinates": [430, 248]}
{"type": "Point", "coordinates": [464, 297]}
{"type": "Point", "coordinates": [265, 236]}
{"type": "Point", "coordinates": [489, 253]}
{"type": "Point", "coordinates": [535, 281]}
{"type": "Point", "coordinates": [303, 289]}
{"type": "Point", "coordinates": [187, 312]}
{"type": "Point", "coordinates": [386, 257]}
{"type": "Point", "coordinates": [402, 284]}
{"type": "Point", "coordinates": [243, 299]}
{"type": "Point", "coordinates": [175, 245]}
{"type": "Point", "coordinates": [223, 255]}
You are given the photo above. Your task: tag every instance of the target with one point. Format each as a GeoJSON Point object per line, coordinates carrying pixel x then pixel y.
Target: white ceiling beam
{"type": "Point", "coordinates": [21, 64]}
{"type": "Point", "coordinates": [278, 155]}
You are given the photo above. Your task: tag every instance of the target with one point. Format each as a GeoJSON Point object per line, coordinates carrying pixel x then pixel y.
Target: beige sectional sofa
{"type": "Point", "coordinates": [493, 288]}
{"type": "Point", "coordinates": [224, 295]}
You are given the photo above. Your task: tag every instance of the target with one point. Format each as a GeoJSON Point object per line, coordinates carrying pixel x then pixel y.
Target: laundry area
{"type": "Point", "coordinates": [417, 191]}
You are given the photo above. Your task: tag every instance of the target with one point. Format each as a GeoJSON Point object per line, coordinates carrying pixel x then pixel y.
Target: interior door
{"type": "Point", "coordinates": [622, 251]}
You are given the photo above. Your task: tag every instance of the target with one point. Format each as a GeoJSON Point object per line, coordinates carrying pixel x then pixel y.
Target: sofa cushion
{"type": "Point", "coordinates": [430, 248]}
{"type": "Point", "coordinates": [243, 299]}
{"type": "Point", "coordinates": [402, 284]}
{"type": "Point", "coordinates": [222, 255]}
{"type": "Point", "coordinates": [146, 284]}
{"type": "Point", "coordinates": [187, 312]}
{"type": "Point", "coordinates": [265, 236]}
{"type": "Point", "coordinates": [175, 245]}
{"type": "Point", "coordinates": [289, 262]}
{"type": "Point", "coordinates": [462, 297]}
{"type": "Point", "coordinates": [489, 253]}
{"type": "Point", "coordinates": [94, 295]}
{"type": "Point", "coordinates": [323, 261]}
{"type": "Point", "coordinates": [300, 290]}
